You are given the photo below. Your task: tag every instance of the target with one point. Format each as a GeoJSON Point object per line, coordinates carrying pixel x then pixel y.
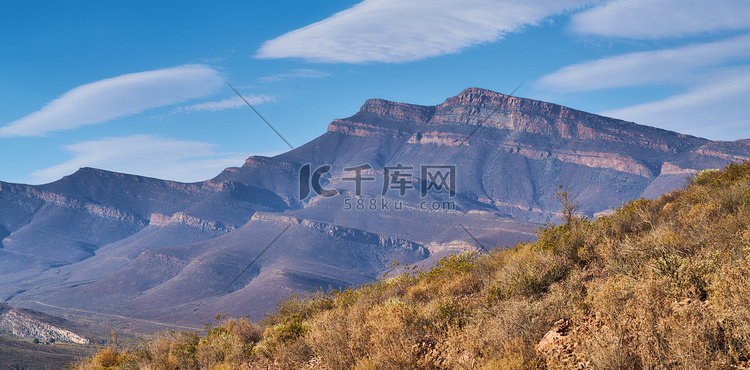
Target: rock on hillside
{"type": "Point", "coordinates": [21, 323]}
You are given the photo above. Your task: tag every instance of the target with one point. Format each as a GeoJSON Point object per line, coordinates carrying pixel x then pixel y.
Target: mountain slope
{"type": "Point", "coordinates": [128, 244]}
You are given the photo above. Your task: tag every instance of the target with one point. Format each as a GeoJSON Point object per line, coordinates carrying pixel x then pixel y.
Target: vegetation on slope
{"type": "Point", "coordinates": [658, 284]}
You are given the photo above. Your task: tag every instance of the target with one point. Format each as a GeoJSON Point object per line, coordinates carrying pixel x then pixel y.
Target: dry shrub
{"type": "Point", "coordinates": [461, 285]}
{"type": "Point", "coordinates": [221, 345]}
{"type": "Point", "coordinates": [608, 335]}
{"type": "Point", "coordinates": [505, 334]}
{"type": "Point", "coordinates": [454, 275]}
{"type": "Point", "coordinates": [292, 355]}
{"type": "Point", "coordinates": [442, 313]}
{"type": "Point", "coordinates": [509, 332]}
{"type": "Point", "coordinates": [633, 218]}
{"type": "Point", "coordinates": [173, 350]}
{"type": "Point", "coordinates": [330, 338]}
{"type": "Point", "coordinates": [395, 328]}
{"type": "Point", "coordinates": [528, 272]}
{"type": "Point", "coordinates": [420, 293]}
{"type": "Point", "coordinates": [730, 293]}
{"type": "Point", "coordinates": [704, 177]}
{"type": "Point", "coordinates": [108, 357]}
{"type": "Point", "coordinates": [610, 351]}
{"type": "Point", "coordinates": [281, 342]}
{"type": "Point", "coordinates": [638, 323]}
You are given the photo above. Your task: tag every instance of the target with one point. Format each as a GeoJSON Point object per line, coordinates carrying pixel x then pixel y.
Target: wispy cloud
{"type": "Point", "coordinates": [295, 73]}
{"type": "Point", "coordinates": [714, 77]}
{"type": "Point", "coordinates": [662, 18]}
{"type": "Point", "coordinates": [115, 97]}
{"type": "Point", "coordinates": [661, 66]}
{"type": "Point", "coordinates": [402, 31]}
{"type": "Point", "coordinates": [715, 108]}
{"type": "Point", "coordinates": [229, 103]}
{"type": "Point", "coordinates": [146, 155]}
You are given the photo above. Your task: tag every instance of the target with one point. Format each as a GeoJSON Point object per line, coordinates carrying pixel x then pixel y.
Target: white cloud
{"type": "Point", "coordinates": [146, 155]}
{"type": "Point", "coordinates": [296, 73]}
{"type": "Point", "coordinates": [670, 65]}
{"type": "Point", "coordinates": [229, 103]}
{"type": "Point", "coordinates": [396, 31]}
{"type": "Point", "coordinates": [663, 18]}
{"type": "Point", "coordinates": [715, 109]}
{"type": "Point", "coordinates": [115, 97]}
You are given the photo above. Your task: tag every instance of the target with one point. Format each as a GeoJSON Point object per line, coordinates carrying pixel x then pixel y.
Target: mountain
{"type": "Point", "coordinates": [180, 253]}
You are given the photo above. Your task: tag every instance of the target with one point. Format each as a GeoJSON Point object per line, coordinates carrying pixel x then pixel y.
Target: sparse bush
{"type": "Point", "coordinates": [331, 337]}
{"type": "Point", "coordinates": [704, 177]}
{"type": "Point", "coordinates": [528, 272]}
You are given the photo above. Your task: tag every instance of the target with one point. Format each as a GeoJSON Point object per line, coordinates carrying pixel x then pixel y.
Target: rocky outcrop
{"type": "Point", "coordinates": [586, 158]}
{"type": "Point", "coordinates": [438, 138]}
{"type": "Point", "coordinates": [160, 220]}
{"type": "Point", "coordinates": [268, 163]}
{"type": "Point", "coordinates": [552, 131]}
{"type": "Point", "coordinates": [354, 128]}
{"type": "Point", "coordinates": [21, 324]}
{"type": "Point", "coordinates": [403, 119]}
{"type": "Point", "coordinates": [604, 160]}
{"type": "Point", "coordinates": [672, 169]}
{"type": "Point", "coordinates": [60, 200]}
{"type": "Point", "coordinates": [345, 233]}
{"type": "Point", "coordinates": [90, 176]}
{"type": "Point", "coordinates": [150, 261]}
{"type": "Point", "coordinates": [474, 106]}
{"type": "Point", "coordinates": [210, 186]}
{"type": "Point", "coordinates": [736, 151]}
{"type": "Point", "coordinates": [412, 113]}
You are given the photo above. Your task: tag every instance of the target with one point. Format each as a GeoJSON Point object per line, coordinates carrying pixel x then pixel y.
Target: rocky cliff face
{"type": "Point", "coordinates": [410, 113]}
{"type": "Point", "coordinates": [35, 197]}
{"type": "Point", "coordinates": [549, 131]}
{"type": "Point", "coordinates": [475, 105]}
{"type": "Point", "coordinates": [192, 221]}
{"type": "Point", "coordinates": [20, 323]}
{"type": "Point", "coordinates": [346, 233]}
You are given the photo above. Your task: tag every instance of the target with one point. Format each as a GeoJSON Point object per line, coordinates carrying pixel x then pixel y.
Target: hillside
{"type": "Point", "coordinates": [658, 284]}
{"type": "Point", "coordinates": [153, 250]}
{"type": "Point", "coordinates": [33, 340]}
{"type": "Point", "coordinates": [29, 324]}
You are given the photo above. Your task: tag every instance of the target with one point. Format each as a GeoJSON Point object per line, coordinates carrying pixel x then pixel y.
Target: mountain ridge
{"type": "Point", "coordinates": [97, 229]}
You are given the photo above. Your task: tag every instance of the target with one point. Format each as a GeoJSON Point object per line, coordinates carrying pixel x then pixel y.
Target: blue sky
{"type": "Point", "coordinates": [138, 86]}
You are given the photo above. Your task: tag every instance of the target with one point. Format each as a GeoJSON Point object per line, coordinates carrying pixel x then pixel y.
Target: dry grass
{"type": "Point", "coordinates": [659, 284]}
